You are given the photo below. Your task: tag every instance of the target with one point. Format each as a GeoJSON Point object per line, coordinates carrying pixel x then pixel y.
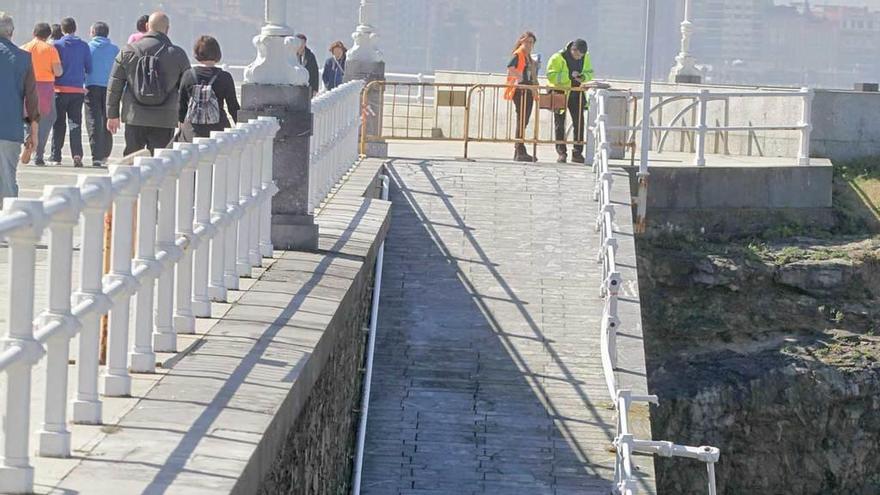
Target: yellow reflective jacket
{"type": "Point", "coordinates": [558, 75]}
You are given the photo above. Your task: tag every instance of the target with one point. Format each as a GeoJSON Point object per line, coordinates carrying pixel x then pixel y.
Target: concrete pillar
{"type": "Point", "coordinates": [365, 61]}
{"type": "Point", "coordinates": [277, 86]}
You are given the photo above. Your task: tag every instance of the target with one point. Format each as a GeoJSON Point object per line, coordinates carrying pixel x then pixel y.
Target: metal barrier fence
{"type": "Point", "coordinates": [695, 104]}
{"type": "Point", "coordinates": [334, 143]}
{"type": "Point", "coordinates": [202, 220]}
{"type": "Point", "coordinates": [626, 444]}
{"type": "Point", "coordinates": [469, 113]}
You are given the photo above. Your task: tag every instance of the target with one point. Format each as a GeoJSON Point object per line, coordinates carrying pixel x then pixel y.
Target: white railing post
{"type": "Point", "coordinates": [204, 230]}
{"type": "Point", "coordinates": [54, 438]}
{"type": "Point", "coordinates": [184, 321]}
{"type": "Point", "coordinates": [256, 146]}
{"type": "Point", "coordinates": [806, 127]}
{"type": "Point", "coordinates": [233, 179]}
{"type": "Point", "coordinates": [268, 186]}
{"type": "Point", "coordinates": [421, 79]}
{"type": "Point", "coordinates": [16, 473]}
{"type": "Point", "coordinates": [217, 284]}
{"type": "Point", "coordinates": [702, 106]}
{"type": "Point", "coordinates": [143, 359]}
{"type": "Point", "coordinates": [242, 259]}
{"type": "Point", "coordinates": [87, 405]}
{"type": "Point", "coordinates": [117, 381]}
{"type": "Point", "coordinates": [164, 336]}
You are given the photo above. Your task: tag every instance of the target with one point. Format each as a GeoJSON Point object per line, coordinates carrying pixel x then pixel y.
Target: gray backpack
{"type": "Point", "coordinates": [203, 107]}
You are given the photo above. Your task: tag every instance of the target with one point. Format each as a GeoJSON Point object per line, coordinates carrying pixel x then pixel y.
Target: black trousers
{"type": "Point", "coordinates": [138, 137]}
{"type": "Point", "coordinates": [524, 101]}
{"type": "Point", "coordinates": [577, 104]}
{"type": "Point", "coordinates": [68, 108]}
{"type": "Point", "coordinates": [100, 139]}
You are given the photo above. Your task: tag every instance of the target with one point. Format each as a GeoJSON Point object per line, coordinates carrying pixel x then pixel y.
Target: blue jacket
{"type": "Point", "coordinates": [333, 72]}
{"type": "Point", "coordinates": [15, 63]}
{"type": "Point", "coordinates": [76, 60]}
{"type": "Point", "coordinates": [103, 54]}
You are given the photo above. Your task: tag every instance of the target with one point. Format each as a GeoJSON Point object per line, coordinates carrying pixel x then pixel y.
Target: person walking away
{"type": "Point", "coordinates": [568, 69]}
{"type": "Point", "coordinates": [206, 93]}
{"type": "Point", "coordinates": [56, 32]}
{"type": "Point", "coordinates": [334, 67]}
{"type": "Point", "coordinates": [522, 71]}
{"type": "Point", "coordinates": [103, 53]}
{"type": "Point", "coordinates": [70, 93]}
{"type": "Point", "coordinates": [141, 27]}
{"type": "Point", "coordinates": [18, 90]}
{"type": "Point", "coordinates": [144, 88]}
{"type": "Point", "coordinates": [307, 59]}
{"type": "Point", "coordinates": [47, 66]}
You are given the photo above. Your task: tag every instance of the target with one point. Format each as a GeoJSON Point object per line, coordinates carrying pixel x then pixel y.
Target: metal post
{"type": "Point", "coordinates": [143, 359]}
{"type": "Point", "coordinates": [117, 381]}
{"type": "Point", "coordinates": [703, 103]}
{"type": "Point", "coordinates": [806, 127]}
{"type": "Point", "coordinates": [201, 303]}
{"type": "Point", "coordinates": [16, 472]}
{"type": "Point", "coordinates": [164, 336]}
{"type": "Point", "coordinates": [184, 321]}
{"type": "Point", "coordinates": [87, 406]}
{"type": "Point", "coordinates": [216, 284]}
{"type": "Point", "coordinates": [54, 436]}
{"type": "Point", "coordinates": [646, 118]}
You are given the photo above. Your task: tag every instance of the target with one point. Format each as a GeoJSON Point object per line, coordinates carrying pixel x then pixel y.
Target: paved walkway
{"type": "Point", "coordinates": [487, 375]}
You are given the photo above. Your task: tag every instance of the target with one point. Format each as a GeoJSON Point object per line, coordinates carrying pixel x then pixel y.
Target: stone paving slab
{"type": "Point", "coordinates": [487, 374]}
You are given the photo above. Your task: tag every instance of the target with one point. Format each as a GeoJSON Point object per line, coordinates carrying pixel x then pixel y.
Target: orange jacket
{"type": "Point", "coordinates": [512, 81]}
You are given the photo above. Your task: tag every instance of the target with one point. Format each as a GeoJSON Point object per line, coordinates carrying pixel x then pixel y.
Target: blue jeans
{"type": "Point", "coordinates": [9, 153]}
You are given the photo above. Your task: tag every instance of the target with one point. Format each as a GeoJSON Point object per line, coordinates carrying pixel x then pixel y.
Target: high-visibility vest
{"type": "Point", "coordinates": [512, 81]}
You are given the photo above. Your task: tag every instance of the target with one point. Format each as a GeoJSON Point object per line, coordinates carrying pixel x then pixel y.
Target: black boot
{"type": "Point", "coordinates": [562, 154]}
{"type": "Point", "coordinates": [521, 155]}
{"type": "Point", "coordinates": [577, 156]}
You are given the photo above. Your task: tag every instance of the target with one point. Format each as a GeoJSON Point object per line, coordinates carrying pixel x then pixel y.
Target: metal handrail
{"type": "Point", "coordinates": [626, 445]}
{"type": "Point", "coordinates": [208, 200]}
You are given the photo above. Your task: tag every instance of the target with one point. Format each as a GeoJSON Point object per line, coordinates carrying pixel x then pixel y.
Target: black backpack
{"type": "Point", "coordinates": [146, 85]}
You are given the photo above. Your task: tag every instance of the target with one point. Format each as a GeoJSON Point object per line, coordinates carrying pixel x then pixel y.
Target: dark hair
{"type": "Point", "coordinates": [68, 25]}
{"type": "Point", "coordinates": [523, 37]}
{"type": "Point", "coordinates": [142, 23]}
{"type": "Point", "coordinates": [302, 37]}
{"type": "Point", "coordinates": [338, 44]}
{"type": "Point", "coordinates": [42, 30]}
{"type": "Point", "coordinates": [56, 32]}
{"type": "Point", "coordinates": [207, 49]}
{"type": "Point", "coordinates": [101, 29]}
{"type": "Point", "coordinates": [579, 45]}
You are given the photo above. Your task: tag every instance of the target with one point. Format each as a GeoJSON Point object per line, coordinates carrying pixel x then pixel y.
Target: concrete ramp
{"type": "Point", "coordinates": [487, 373]}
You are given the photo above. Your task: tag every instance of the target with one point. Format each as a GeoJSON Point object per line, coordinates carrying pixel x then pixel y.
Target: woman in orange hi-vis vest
{"type": "Point", "coordinates": [522, 71]}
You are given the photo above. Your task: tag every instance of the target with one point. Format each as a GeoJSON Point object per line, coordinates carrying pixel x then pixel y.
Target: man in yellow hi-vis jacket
{"type": "Point", "coordinates": [565, 70]}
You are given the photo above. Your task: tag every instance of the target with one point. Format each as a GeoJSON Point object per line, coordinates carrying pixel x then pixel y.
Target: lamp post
{"type": "Point", "coordinates": [276, 62]}
{"type": "Point", "coordinates": [685, 69]}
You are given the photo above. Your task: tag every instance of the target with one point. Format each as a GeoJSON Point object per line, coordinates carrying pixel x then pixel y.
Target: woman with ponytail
{"type": "Point", "coordinates": [522, 71]}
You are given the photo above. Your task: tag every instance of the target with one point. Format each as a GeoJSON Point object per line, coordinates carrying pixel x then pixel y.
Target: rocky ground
{"type": "Point", "coordinates": [779, 342]}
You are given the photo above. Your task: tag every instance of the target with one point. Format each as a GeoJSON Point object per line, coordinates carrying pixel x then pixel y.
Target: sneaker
{"type": "Point", "coordinates": [577, 157]}
{"type": "Point", "coordinates": [98, 163]}
{"type": "Point", "coordinates": [562, 158]}
{"type": "Point", "coordinates": [39, 162]}
{"type": "Point", "coordinates": [77, 162]}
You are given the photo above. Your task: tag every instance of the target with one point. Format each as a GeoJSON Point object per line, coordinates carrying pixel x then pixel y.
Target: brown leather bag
{"type": "Point", "coordinates": [552, 101]}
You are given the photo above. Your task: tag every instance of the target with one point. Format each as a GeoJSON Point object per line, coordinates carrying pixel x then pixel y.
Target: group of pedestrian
{"type": "Point", "coordinates": [334, 66]}
{"type": "Point", "coordinates": [567, 69]}
{"type": "Point", "coordinates": [149, 85]}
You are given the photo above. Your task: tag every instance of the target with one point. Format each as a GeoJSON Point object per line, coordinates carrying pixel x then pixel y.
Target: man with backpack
{"type": "Point", "coordinates": [145, 79]}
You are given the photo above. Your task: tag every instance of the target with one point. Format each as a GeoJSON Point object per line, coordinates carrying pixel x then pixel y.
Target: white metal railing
{"type": "Point", "coordinates": [699, 102]}
{"type": "Point", "coordinates": [626, 445]}
{"type": "Point", "coordinates": [208, 200]}
{"type": "Point", "coordinates": [334, 144]}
